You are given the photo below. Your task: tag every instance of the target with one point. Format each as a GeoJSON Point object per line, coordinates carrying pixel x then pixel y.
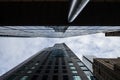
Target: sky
{"type": "Point", "coordinates": [14, 51]}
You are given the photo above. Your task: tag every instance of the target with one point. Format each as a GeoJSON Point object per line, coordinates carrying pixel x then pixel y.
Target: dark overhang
{"type": "Point", "coordinates": [115, 33]}
{"type": "Point", "coordinates": [55, 12]}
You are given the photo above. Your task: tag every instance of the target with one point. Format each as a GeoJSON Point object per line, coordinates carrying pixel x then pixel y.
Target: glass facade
{"type": "Point", "coordinates": [24, 78]}
{"type": "Point", "coordinates": [54, 31]}
{"type": "Point", "coordinates": [76, 78]}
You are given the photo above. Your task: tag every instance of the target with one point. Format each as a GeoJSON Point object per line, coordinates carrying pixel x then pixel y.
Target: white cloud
{"type": "Point", "coordinates": [15, 50]}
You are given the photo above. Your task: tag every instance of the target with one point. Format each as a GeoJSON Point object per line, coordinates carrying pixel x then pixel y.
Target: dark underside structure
{"type": "Point", "coordinates": [52, 12]}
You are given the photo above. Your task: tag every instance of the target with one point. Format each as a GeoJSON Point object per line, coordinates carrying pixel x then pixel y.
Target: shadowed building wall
{"type": "Point", "coordinates": [55, 12]}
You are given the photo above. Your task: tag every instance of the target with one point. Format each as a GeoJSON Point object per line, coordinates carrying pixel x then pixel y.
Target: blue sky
{"type": "Point", "coordinates": [15, 50]}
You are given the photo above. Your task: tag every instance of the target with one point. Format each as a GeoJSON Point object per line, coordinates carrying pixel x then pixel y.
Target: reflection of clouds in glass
{"type": "Point", "coordinates": [15, 50]}
{"type": "Point", "coordinates": [55, 31]}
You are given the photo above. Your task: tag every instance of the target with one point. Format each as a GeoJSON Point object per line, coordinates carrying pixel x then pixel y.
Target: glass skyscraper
{"type": "Point", "coordinates": [53, 63]}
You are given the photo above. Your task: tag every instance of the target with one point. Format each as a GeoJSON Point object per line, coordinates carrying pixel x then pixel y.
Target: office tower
{"type": "Point", "coordinates": [106, 68]}
{"type": "Point", "coordinates": [88, 61]}
{"type": "Point", "coordinates": [53, 63]}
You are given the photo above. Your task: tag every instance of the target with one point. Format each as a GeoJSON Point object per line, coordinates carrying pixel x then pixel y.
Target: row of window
{"type": "Point", "coordinates": [44, 77]}
{"type": "Point", "coordinates": [85, 70]}
{"type": "Point", "coordinates": [74, 71]}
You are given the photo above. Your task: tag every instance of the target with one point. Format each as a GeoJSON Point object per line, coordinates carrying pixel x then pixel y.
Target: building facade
{"type": "Point", "coordinates": [54, 31]}
{"type": "Point", "coordinates": [53, 63]}
{"type": "Point", "coordinates": [88, 61]}
{"type": "Point", "coordinates": [106, 68]}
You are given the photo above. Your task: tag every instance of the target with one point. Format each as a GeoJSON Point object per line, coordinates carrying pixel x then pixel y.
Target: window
{"type": "Point", "coordinates": [72, 68]}
{"type": "Point", "coordinates": [26, 67]}
{"type": "Point", "coordinates": [80, 63]}
{"type": "Point", "coordinates": [48, 67]}
{"type": "Point", "coordinates": [13, 77]}
{"type": "Point", "coordinates": [64, 71]}
{"type": "Point", "coordinates": [34, 77]}
{"type": "Point", "coordinates": [63, 63]}
{"type": "Point", "coordinates": [63, 67]}
{"type": "Point", "coordinates": [76, 78]}
{"type": "Point", "coordinates": [56, 67]}
{"type": "Point", "coordinates": [84, 68]}
{"type": "Point", "coordinates": [36, 63]}
{"type": "Point", "coordinates": [50, 63]}
{"type": "Point", "coordinates": [55, 71]}
{"type": "Point", "coordinates": [88, 73]}
{"type": "Point", "coordinates": [45, 77]}
{"type": "Point", "coordinates": [29, 72]}
{"type": "Point", "coordinates": [33, 67]}
{"type": "Point", "coordinates": [89, 77]}
{"type": "Point", "coordinates": [56, 63]}
{"type": "Point", "coordinates": [43, 63]}
{"type": "Point", "coordinates": [38, 71]}
{"type": "Point", "coordinates": [24, 78]}
{"type": "Point", "coordinates": [55, 77]}
{"type": "Point", "coordinates": [70, 64]}
{"type": "Point", "coordinates": [47, 71]}
{"type": "Point", "coordinates": [65, 77]}
{"type": "Point", "coordinates": [40, 67]}
{"type": "Point", "coordinates": [74, 72]}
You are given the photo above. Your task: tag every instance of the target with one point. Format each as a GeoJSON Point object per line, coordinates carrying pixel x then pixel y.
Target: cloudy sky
{"type": "Point", "coordinates": [15, 50]}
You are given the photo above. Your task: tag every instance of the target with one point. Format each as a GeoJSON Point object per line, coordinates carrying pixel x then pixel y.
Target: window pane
{"type": "Point", "coordinates": [64, 71]}
{"type": "Point", "coordinates": [34, 77]}
{"type": "Point", "coordinates": [71, 64]}
{"type": "Point", "coordinates": [13, 77]}
{"type": "Point", "coordinates": [65, 77]}
{"type": "Point", "coordinates": [33, 67]}
{"type": "Point", "coordinates": [29, 72]}
{"type": "Point", "coordinates": [55, 71]}
{"type": "Point", "coordinates": [55, 77]}
{"type": "Point", "coordinates": [63, 67]}
{"type": "Point", "coordinates": [36, 63]}
{"type": "Point", "coordinates": [45, 77]}
{"type": "Point", "coordinates": [73, 68]}
{"type": "Point", "coordinates": [80, 63]}
{"type": "Point", "coordinates": [83, 68]}
{"type": "Point", "coordinates": [88, 73]}
{"type": "Point", "coordinates": [24, 78]}
{"type": "Point", "coordinates": [47, 71]}
{"type": "Point", "coordinates": [74, 72]}
{"type": "Point", "coordinates": [76, 78]}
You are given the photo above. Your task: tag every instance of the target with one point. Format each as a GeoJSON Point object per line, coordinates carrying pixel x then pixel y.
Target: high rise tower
{"type": "Point", "coordinates": [53, 63]}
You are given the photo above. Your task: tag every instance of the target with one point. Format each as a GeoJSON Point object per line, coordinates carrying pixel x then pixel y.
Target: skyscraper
{"type": "Point", "coordinates": [106, 68]}
{"type": "Point", "coordinates": [53, 63]}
